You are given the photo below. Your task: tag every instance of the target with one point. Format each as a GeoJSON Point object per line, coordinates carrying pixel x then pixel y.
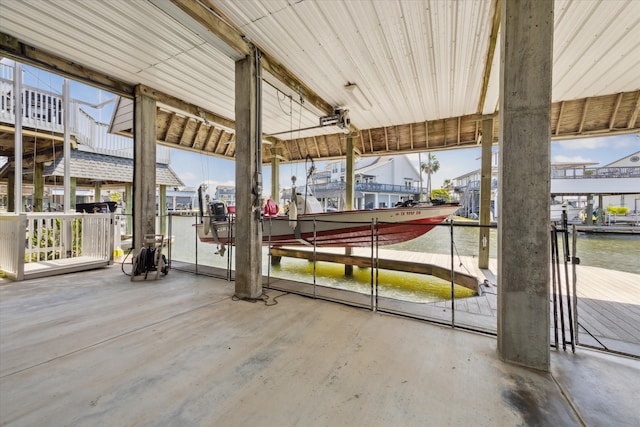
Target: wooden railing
{"type": "Point", "coordinates": [32, 238]}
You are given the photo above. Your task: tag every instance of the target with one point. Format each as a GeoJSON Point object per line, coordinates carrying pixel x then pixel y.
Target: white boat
{"type": "Point", "coordinates": [306, 224]}
{"type": "Point", "coordinates": [556, 209]}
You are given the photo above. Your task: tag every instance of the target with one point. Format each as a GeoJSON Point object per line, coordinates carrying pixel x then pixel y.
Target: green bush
{"type": "Point", "coordinates": [440, 194]}
{"type": "Point", "coordinates": [618, 210]}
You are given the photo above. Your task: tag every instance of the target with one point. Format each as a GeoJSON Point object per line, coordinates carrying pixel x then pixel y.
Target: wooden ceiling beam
{"type": "Point", "coordinates": [22, 52]}
{"type": "Point", "coordinates": [496, 9]}
{"type": "Point", "coordinates": [188, 108]}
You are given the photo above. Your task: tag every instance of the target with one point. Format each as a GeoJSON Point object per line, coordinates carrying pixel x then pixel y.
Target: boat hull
{"type": "Point", "coordinates": [340, 229]}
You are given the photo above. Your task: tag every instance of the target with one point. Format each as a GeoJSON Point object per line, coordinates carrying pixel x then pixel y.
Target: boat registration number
{"type": "Point", "coordinates": [407, 213]}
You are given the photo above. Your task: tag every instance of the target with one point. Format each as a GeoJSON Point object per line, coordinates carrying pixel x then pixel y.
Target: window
{"type": "Point", "coordinates": [408, 182]}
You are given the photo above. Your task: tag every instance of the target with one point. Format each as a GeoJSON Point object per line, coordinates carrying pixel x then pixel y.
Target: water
{"type": "Point", "coordinates": [615, 252]}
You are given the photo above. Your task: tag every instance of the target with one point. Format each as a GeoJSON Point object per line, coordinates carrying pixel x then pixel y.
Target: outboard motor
{"type": "Point", "coordinates": [218, 210]}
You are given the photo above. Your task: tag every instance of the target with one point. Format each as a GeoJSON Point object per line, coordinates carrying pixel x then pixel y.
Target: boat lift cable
{"type": "Point", "coordinates": [310, 171]}
{"type": "Point", "coordinates": [460, 259]}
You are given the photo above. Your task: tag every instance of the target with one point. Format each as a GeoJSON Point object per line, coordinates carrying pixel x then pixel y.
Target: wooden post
{"type": "Point", "coordinates": [128, 190]}
{"type": "Point", "coordinates": [97, 190]}
{"type": "Point", "coordinates": [72, 195]}
{"type": "Point", "coordinates": [17, 168]}
{"type": "Point", "coordinates": [248, 177]}
{"type": "Point", "coordinates": [162, 209]}
{"type": "Point", "coordinates": [275, 175]}
{"type": "Point", "coordinates": [11, 193]}
{"type": "Point", "coordinates": [485, 194]}
{"type": "Point", "coordinates": [38, 187]}
{"type": "Point", "coordinates": [144, 166]}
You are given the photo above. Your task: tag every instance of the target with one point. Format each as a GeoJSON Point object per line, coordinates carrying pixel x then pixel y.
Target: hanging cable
{"type": "Point", "coordinates": [257, 189]}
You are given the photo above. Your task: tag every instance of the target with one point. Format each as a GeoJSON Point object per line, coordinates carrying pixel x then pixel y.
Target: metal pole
{"type": "Point", "coordinates": [196, 240]}
{"type": "Point", "coordinates": [575, 261]}
{"type": "Point", "coordinates": [269, 256]}
{"type": "Point", "coordinates": [559, 278]}
{"type": "Point", "coordinates": [565, 241]}
{"type": "Point", "coordinates": [375, 308]}
{"type": "Point", "coordinates": [453, 305]}
{"type": "Point", "coordinates": [314, 257]}
{"type": "Point", "coordinates": [17, 113]}
{"type": "Point", "coordinates": [230, 251]}
{"type": "Point", "coordinates": [169, 241]}
{"type": "Point", "coordinates": [553, 279]}
{"type": "Point", "coordinates": [372, 258]}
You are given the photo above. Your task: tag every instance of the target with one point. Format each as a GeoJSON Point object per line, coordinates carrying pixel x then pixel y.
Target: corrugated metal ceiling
{"type": "Point", "coordinates": [413, 60]}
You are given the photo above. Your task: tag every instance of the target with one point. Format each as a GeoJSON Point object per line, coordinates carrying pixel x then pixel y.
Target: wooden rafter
{"type": "Point", "coordinates": [231, 145]}
{"type": "Point", "coordinates": [217, 141]}
{"type": "Point", "coordinates": [634, 115]}
{"type": "Point", "coordinates": [386, 139]}
{"type": "Point", "coordinates": [496, 8]}
{"type": "Point", "coordinates": [172, 118]}
{"type": "Point", "coordinates": [584, 114]}
{"type": "Point", "coordinates": [397, 134]}
{"type": "Point", "coordinates": [207, 138]}
{"type": "Point", "coordinates": [612, 120]}
{"type": "Point", "coordinates": [559, 122]}
{"type": "Point", "coordinates": [426, 133]}
{"type": "Point", "coordinates": [444, 132]}
{"type": "Point", "coordinates": [411, 135]}
{"type": "Point", "coordinates": [183, 136]}
{"type": "Point", "coordinates": [196, 135]}
{"type": "Point", "coordinates": [315, 141]}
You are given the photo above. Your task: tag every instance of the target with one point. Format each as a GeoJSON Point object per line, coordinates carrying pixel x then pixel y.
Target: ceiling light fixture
{"type": "Point", "coordinates": [356, 94]}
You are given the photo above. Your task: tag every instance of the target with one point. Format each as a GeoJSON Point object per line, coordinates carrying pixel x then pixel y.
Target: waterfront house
{"type": "Point", "coordinates": [380, 182]}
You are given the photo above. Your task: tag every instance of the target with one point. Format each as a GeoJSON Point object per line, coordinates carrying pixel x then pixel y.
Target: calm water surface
{"type": "Point", "coordinates": [615, 252]}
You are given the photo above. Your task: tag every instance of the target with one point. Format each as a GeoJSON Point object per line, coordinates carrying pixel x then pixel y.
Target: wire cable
{"type": "Point", "coordinates": [264, 298]}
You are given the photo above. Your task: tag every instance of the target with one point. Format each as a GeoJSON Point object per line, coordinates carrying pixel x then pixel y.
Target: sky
{"type": "Point", "coordinates": [195, 169]}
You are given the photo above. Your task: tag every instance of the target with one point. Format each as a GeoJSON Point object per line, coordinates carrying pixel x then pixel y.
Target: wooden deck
{"type": "Point", "coordinates": [608, 300]}
{"type": "Point", "coordinates": [35, 270]}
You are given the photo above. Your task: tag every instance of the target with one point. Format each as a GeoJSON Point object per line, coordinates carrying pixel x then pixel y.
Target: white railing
{"type": "Point", "coordinates": [43, 111]}
{"type": "Point", "coordinates": [12, 230]}
{"type": "Point", "coordinates": [42, 237]}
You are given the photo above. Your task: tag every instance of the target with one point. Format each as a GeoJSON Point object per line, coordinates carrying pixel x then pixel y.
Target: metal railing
{"type": "Point", "coordinates": [591, 173]}
{"type": "Point", "coordinates": [370, 187]}
{"type": "Point", "coordinates": [434, 296]}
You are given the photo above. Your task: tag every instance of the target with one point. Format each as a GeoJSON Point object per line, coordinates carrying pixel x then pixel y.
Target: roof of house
{"type": "Point", "coordinates": [101, 167]}
{"type": "Point", "coordinates": [624, 160]}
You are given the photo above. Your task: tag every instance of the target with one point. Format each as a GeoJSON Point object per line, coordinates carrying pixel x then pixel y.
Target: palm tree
{"type": "Point", "coordinates": [430, 168]}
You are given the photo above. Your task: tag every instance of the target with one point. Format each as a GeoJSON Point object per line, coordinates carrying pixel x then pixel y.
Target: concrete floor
{"type": "Point", "coordinates": [93, 348]}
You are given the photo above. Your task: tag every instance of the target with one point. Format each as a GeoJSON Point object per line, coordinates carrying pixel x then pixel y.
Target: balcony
{"type": "Point", "coordinates": [366, 187]}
